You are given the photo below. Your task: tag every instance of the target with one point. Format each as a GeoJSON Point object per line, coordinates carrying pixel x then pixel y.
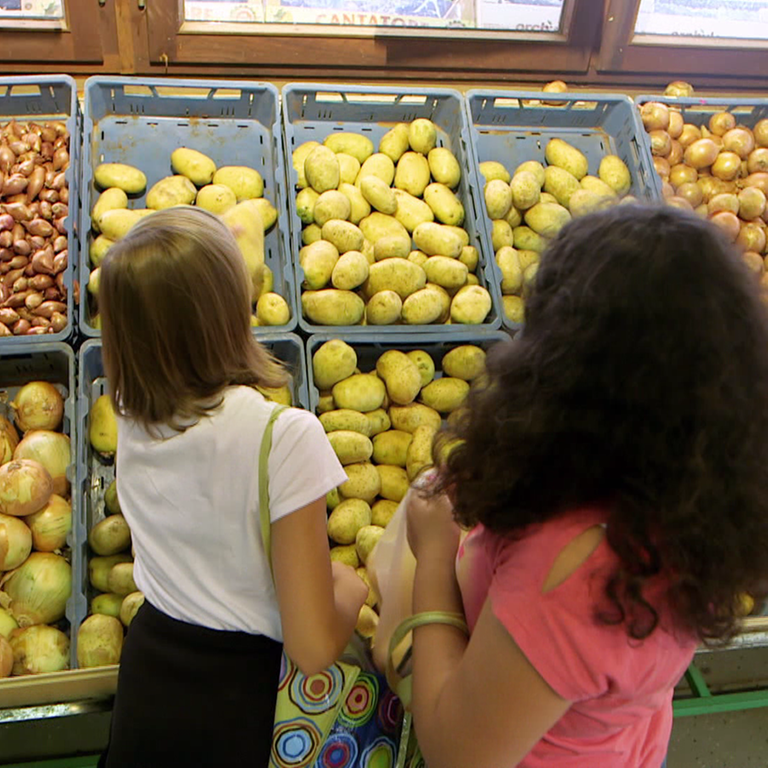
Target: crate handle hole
{"type": "Point", "coordinates": [227, 93]}
{"type": "Point", "coordinates": [137, 90]}
{"type": "Point", "coordinates": [23, 90]}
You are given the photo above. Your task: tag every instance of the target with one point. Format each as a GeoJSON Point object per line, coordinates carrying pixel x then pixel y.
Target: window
{"type": "Point", "coordinates": [14, 11]}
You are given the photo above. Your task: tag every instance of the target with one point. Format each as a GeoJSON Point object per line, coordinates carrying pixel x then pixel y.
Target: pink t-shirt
{"type": "Point", "coordinates": [621, 689]}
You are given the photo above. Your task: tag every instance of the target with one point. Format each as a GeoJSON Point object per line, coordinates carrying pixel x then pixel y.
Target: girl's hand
{"type": "Point", "coordinates": [349, 590]}
{"type": "Point", "coordinates": [431, 527]}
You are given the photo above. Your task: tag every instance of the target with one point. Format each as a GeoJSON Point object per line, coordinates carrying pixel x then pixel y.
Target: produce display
{"type": "Point", "coordinates": [718, 168]}
{"type": "Point", "coordinates": [530, 205]}
{"type": "Point", "coordinates": [34, 206]}
{"type": "Point", "coordinates": [382, 232]}
{"type": "Point", "coordinates": [35, 522]}
{"type": "Point", "coordinates": [235, 193]}
{"type": "Point", "coordinates": [381, 420]}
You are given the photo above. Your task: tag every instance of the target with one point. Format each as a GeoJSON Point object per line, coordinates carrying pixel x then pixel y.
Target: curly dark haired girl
{"type": "Point", "coordinates": [614, 469]}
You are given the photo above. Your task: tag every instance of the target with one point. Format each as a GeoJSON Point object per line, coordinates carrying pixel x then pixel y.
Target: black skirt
{"type": "Point", "coordinates": [192, 696]}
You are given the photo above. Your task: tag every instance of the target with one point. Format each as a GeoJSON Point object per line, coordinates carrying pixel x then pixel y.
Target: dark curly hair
{"type": "Point", "coordinates": [639, 382]}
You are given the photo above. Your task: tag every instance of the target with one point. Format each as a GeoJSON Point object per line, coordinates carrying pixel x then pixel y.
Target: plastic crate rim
{"type": "Point", "coordinates": [178, 82]}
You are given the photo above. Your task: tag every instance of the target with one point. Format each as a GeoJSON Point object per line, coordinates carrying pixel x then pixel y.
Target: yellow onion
{"type": "Point", "coordinates": [682, 174]}
{"type": "Point", "coordinates": [728, 223]}
{"type": "Point", "coordinates": [130, 607]}
{"type": "Point", "coordinates": [7, 623]}
{"type": "Point", "coordinates": [107, 604]}
{"type": "Point", "coordinates": [99, 641]}
{"type": "Point", "coordinates": [38, 589]}
{"type": "Point", "coordinates": [727, 166]}
{"type": "Point", "coordinates": [661, 164]}
{"type": "Point", "coordinates": [679, 202]}
{"type": "Point", "coordinates": [655, 116]}
{"type": "Point", "coordinates": [725, 201]}
{"type": "Point", "coordinates": [15, 542]}
{"type": "Point", "coordinates": [751, 237]}
{"type": "Point", "coordinates": [39, 649]}
{"type": "Point", "coordinates": [752, 202]}
{"type": "Point", "coordinates": [9, 439]}
{"type": "Point", "coordinates": [6, 658]}
{"type": "Point", "coordinates": [701, 154]}
{"type": "Point", "coordinates": [51, 525]}
{"type": "Point", "coordinates": [739, 140]}
{"type": "Point", "coordinates": [38, 405]}
{"type": "Point", "coordinates": [679, 89]}
{"type": "Point", "coordinates": [722, 122]}
{"type": "Point", "coordinates": [755, 262]}
{"type": "Point", "coordinates": [759, 180]}
{"type": "Point", "coordinates": [52, 450]}
{"type": "Point", "coordinates": [675, 155]}
{"type": "Point", "coordinates": [25, 487]}
{"type": "Point", "coordinates": [757, 162]}
{"type": "Point", "coordinates": [690, 134]}
{"type": "Point", "coordinates": [761, 133]}
{"type": "Point", "coordinates": [691, 192]}
{"type": "Point", "coordinates": [661, 144]}
{"type": "Point", "coordinates": [676, 123]}
{"type": "Point", "coordinates": [667, 190]}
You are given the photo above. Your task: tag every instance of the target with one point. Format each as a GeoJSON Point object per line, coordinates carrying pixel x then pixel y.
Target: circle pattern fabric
{"type": "Point", "coordinates": [360, 705]}
{"type": "Point", "coordinates": [390, 713]}
{"type": "Point", "coordinates": [319, 693]}
{"type": "Point", "coordinates": [295, 743]}
{"type": "Point", "coordinates": [380, 754]}
{"type": "Point", "coordinates": [340, 751]}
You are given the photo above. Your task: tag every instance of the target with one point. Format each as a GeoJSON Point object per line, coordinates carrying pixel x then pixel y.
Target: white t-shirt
{"type": "Point", "coordinates": [191, 500]}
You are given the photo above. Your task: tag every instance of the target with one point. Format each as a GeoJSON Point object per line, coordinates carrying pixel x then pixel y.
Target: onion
{"type": "Point", "coordinates": [6, 657]}
{"type": "Point", "coordinates": [690, 134]}
{"type": "Point", "coordinates": [755, 262]}
{"type": "Point", "coordinates": [39, 589]}
{"type": "Point", "coordinates": [107, 604]}
{"type": "Point", "coordinates": [99, 641]}
{"type": "Point", "coordinates": [702, 211]}
{"type": "Point", "coordinates": [692, 193]}
{"type": "Point", "coordinates": [667, 190]}
{"type": "Point", "coordinates": [721, 123]}
{"type": "Point", "coordinates": [711, 186]}
{"type": "Point", "coordinates": [729, 223]}
{"type": "Point", "coordinates": [661, 144]}
{"type": "Point", "coordinates": [682, 174]}
{"type": "Point", "coordinates": [110, 536]}
{"type": "Point", "coordinates": [675, 155]}
{"type": "Point", "coordinates": [759, 180]}
{"type": "Point", "coordinates": [655, 116]}
{"type": "Point", "coordinates": [752, 203]}
{"type": "Point", "coordinates": [761, 133]}
{"type": "Point", "coordinates": [99, 568]}
{"type": "Point", "coordinates": [15, 542]}
{"type": "Point", "coordinates": [39, 649]}
{"type": "Point", "coordinates": [676, 123]}
{"type": "Point", "coordinates": [757, 162]}
{"type": "Point", "coordinates": [52, 450]}
{"type": "Point", "coordinates": [661, 164]}
{"type": "Point", "coordinates": [131, 605]}
{"type": "Point", "coordinates": [723, 202]}
{"type": "Point", "coordinates": [679, 89]}
{"type": "Point", "coordinates": [751, 238]}
{"type": "Point", "coordinates": [25, 487]}
{"type": "Point", "coordinates": [739, 140]}
{"type": "Point", "coordinates": [701, 154]}
{"type": "Point", "coordinates": [9, 439]}
{"type": "Point", "coordinates": [7, 623]}
{"type": "Point", "coordinates": [38, 405]}
{"type": "Point", "coordinates": [727, 166]}
{"type": "Point", "coordinates": [51, 524]}
{"type": "Point", "coordinates": [679, 202]}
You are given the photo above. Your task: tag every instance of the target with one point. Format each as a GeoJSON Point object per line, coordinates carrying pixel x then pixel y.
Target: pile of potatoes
{"type": "Point", "coordinates": [383, 238]}
{"type": "Point", "coordinates": [236, 193]}
{"type": "Point", "coordinates": [718, 169]}
{"type": "Point", "coordinates": [34, 205]}
{"type": "Point", "coordinates": [381, 425]}
{"type": "Point", "coordinates": [528, 208]}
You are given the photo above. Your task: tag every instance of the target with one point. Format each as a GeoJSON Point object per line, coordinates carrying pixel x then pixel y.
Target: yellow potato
{"type": "Point", "coordinates": [445, 394]}
{"type": "Point", "coordinates": [345, 419]}
{"type": "Point", "coordinates": [398, 275]}
{"type": "Point", "coordinates": [514, 308]}
{"type": "Point", "coordinates": [332, 307]}
{"type": "Point", "coordinates": [394, 143]}
{"type": "Point", "coordinates": [492, 170]}
{"type": "Point", "coordinates": [344, 235]}
{"type": "Point", "coordinates": [401, 376]}
{"type": "Point", "coordinates": [280, 395]}
{"type": "Point", "coordinates": [367, 623]}
{"type": "Point", "coordinates": [471, 305]}
{"type": "Point", "coordinates": [411, 211]}
{"type": "Point", "coordinates": [425, 364]}
{"type": "Point", "coordinates": [437, 240]}
{"type": "Point", "coordinates": [272, 309]}
{"type": "Point", "coordinates": [216, 198]}
{"type": "Point", "coordinates": [94, 278]}
{"type": "Point", "coordinates": [98, 249]}
{"type": "Point", "coordinates": [349, 168]}
{"type": "Point", "coordinates": [498, 199]}
{"type": "Point", "coordinates": [360, 147]}
{"type": "Point", "coordinates": [351, 271]}
{"type": "Point", "coordinates": [407, 418]}
{"type": "Point", "coordinates": [350, 447]}
{"type": "Point", "coordinates": [170, 192]}
{"type": "Point", "coordinates": [502, 235]}
{"type": "Point", "coordinates": [465, 362]}
{"type": "Point", "coordinates": [586, 201]}
{"type": "Point", "coordinates": [110, 199]}
{"type": "Point", "coordinates": [379, 421]}
{"type": "Point", "coordinates": [131, 180]}
{"type": "Point", "coordinates": [332, 498]}
{"type": "Point", "coordinates": [367, 538]}
{"type": "Point", "coordinates": [547, 219]}
{"type": "Point", "coordinates": [445, 301]}
{"type": "Point", "coordinates": [370, 601]}
{"type": "Point", "coordinates": [322, 169]}
{"type": "Point", "coordinates": [247, 226]}
{"type": "Point", "coordinates": [526, 258]}
{"type": "Point", "coordinates": [391, 247]}
{"type": "Point", "coordinates": [311, 234]}
{"type": "Point", "coordinates": [331, 205]}
{"type": "Point", "coordinates": [325, 403]}
{"type": "Point", "coordinates": [419, 454]}
{"type": "Point", "coordinates": [445, 272]}
{"type": "Point", "coordinates": [363, 482]}
{"type": "Point", "coordinates": [394, 482]}
{"type": "Point", "coordinates": [380, 195]}
{"type": "Point", "coordinates": [345, 554]}
{"type": "Point", "coordinates": [384, 308]}
{"type": "Point", "coordinates": [418, 257]}
{"type": "Point", "coordinates": [534, 167]}
{"type": "Point", "coordinates": [567, 157]}
{"type": "Point", "coordinates": [412, 173]}
{"type": "Point", "coordinates": [461, 233]}
{"type": "Point", "coordinates": [514, 218]}
{"type": "Point", "coordinates": [362, 392]}
{"type": "Point", "coordinates": [305, 205]}
{"type": "Point", "coordinates": [359, 206]}
{"type": "Point", "coordinates": [511, 272]}
{"type": "Point", "coordinates": [528, 240]}
{"type": "Point", "coordinates": [446, 206]}
{"type": "Point", "coordinates": [391, 447]}
{"type": "Point", "coordinates": [298, 158]}
{"type": "Point", "coordinates": [423, 307]}
{"type": "Point", "coordinates": [444, 167]}
{"type": "Point", "coordinates": [422, 135]}
{"type": "Point", "coordinates": [347, 519]}
{"type": "Point", "coordinates": [116, 223]}
{"type": "Point", "coordinates": [614, 172]}
{"type": "Point", "coordinates": [594, 184]}
{"type": "Point", "coordinates": [317, 261]}
{"type": "Point", "coordinates": [470, 257]}
{"type": "Point", "coordinates": [196, 166]}
{"type": "Point", "coordinates": [383, 511]}
{"type": "Point", "coordinates": [561, 184]}
{"type": "Point", "coordinates": [266, 210]}
{"type": "Point", "coordinates": [380, 225]}
{"type": "Point", "coordinates": [379, 165]}
{"type": "Point", "coordinates": [525, 191]}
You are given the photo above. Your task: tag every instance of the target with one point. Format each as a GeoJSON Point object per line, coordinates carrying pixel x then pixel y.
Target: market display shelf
{"type": "Point", "coordinates": [140, 121]}
{"type": "Point", "coordinates": [512, 127]}
{"type": "Point", "coordinates": [36, 99]}
{"type": "Point", "coordinates": [369, 346]}
{"type": "Point", "coordinates": [54, 362]}
{"type": "Point", "coordinates": [313, 111]}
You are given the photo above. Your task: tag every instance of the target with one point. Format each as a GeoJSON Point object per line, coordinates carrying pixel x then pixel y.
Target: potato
{"type": "Point", "coordinates": [331, 205]}
{"type": "Point", "coordinates": [593, 184]}
{"type": "Point", "coordinates": [394, 143]}
{"type": "Point", "coordinates": [529, 276]}
{"type": "Point", "coordinates": [398, 275]}
{"type": "Point", "coordinates": [280, 395]}
{"type": "Point", "coordinates": [246, 222]}
{"type": "Point", "coordinates": [351, 271]}
{"type": "Point", "coordinates": [120, 580]}
{"type": "Point", "coordinates": [391, 447]}
{"type": "Point", "coordinates": [445, 301]}
{"type": "Point", "coordinates": [325, 403]}
{"type": "Point", "coordinates": [347, 519]}
{"type": "Point", "coordinates": [471, 305]}
{"type": "Point", "coordinates": [347, 420]}
{"type": "Point", "coordinates": [445, 394]}
{"type": "Point", "coordinates": [332, 362]}
{"type": "Point", "coordinates": [418, 257]}
{"type": "Point", "coordinates": [419, 454]}
{"type": "Point", "coordinates": [171, 191]}
{"type": "Point", "coordinates": [317, 261]}
{"type": "Point", "coordinates": [363, 481]}
{"type": "Point", "coordinates": [460, 232]}
{"type": "Point", "coordinates": [98, 249]}
{"type": "Point", "coordinates": [272, 309]}
{"type": "Point", "coordinates": [444, 167]}
{"type": "Point", "coordinates": [131, 180]}
{"type": "Point", "coordinates": [525, 191]}
{"type": "Point", "coordinates": [298, 158]}
{"type": "Point", "coordinates": [437, 240]}
{"type": "Point", "coordinates": [567, 157]}
{"type": "Point", "coordinates": [498, 199]}
{"type": "Point", "coordinates": [332, 498]}
{"type": "Point", "coordinates": [116, 223]}
{"type": "Point", "coordinates": [526, 258]}
{"type": "Point", "coordinates": [362, 392]}
{"type": "Point", "coordinates": [344, 235]}
{"type": "Point", "coordinates": [446, 206]}
{"type": "Point", "coordinates": [312, 233]}
{"type": "Point", "coordinates": [383, 511]}
{"type": "Point", "coordinates": [100, 567]}
{"type": "Point", "coordinates": [502, 235]}
{"type": "Point", "coordinates": [384, 308]}
{"type": "Point", "coordinates": [378, 165]}
{"type": "Point", "coordinates": [407, 418]}
{"type": "Point", "coordinates": [424, 363]}
{"type": "Point", "coordinates": [511, 271]}
{"type": "Point", "coordinates": [360, 147]}
{"type": "Point", "coordinates": [379, 421]}
{"type": "Point", "coordinates": [528, 240]}
{"type": "Point", "coordinates": [401, 376]}
{"type": "Point", "coordinates": [110, 199]}
{"type": "Point", "coordinates": [367, 538]}
{"type": "Point", "coordinates": [394, 482]}
{"type": "Point", "coordinates": [491, 170]}
{"type": "Point", "coordinates": [422, 135]}
{"type": "Point", "coordinates": [465, 362]}
{"type": "Point", "coordinates": [614, 172]}
{"type": "Point", "coordinates": [445, 272]}
{"type": "Point", "coordinates": [110, 536]}
{"type": "Point", "coordinates": [322, 169]}
{"type": "Point", "coordinates": [412, 173]}
{"type": "Point", "coordinates": [411, 211]}
{"type": "Point", "coordinates": [514, 308]}
{"type": "Point", "coordinates": [585, 201]}
{"type": "Point", "coordinates": [561, 184]}
{"type": "Point", "coordinates": [305, 205]}
{"type": "Point", "coordinates": [547, 219]}
{"type": "Point", "coordinates": [332, 307]}
{"type": "Point", "coordinates": [380, 225]}
{"type": "Point", "coordinates": [345, 554]}
{"type": "Point", "coordinates": [266, 210]}
{"type": "Point", "coordinates": [94, 279]}
{"type": "Point", "coordinates": [216, 198]}
{"type": "Point", "coordinates": [469, 257]}
{"type": "Point", "coordinates": [380, 195]}
{"type": "Point", "coordinates": [514, 218]}
{"type": "Point", "coordinates": [350, 447]}
{"type": "Point", "coordinates": [534, 167]}
{"type": "Point", "coordinates": [423, 307]}
{"type": "Point", "coordinates": [391, 247]}
{"type": "Point", "coordinates": [196, 166]}
{"type": "Point", "coordinates": [359, 206]}
{"type": "Point", "coordinates": [349, 168]}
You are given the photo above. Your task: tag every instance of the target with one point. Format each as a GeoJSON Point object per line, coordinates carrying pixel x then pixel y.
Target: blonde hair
{"type": "Point", "coordinates": [175, 302]}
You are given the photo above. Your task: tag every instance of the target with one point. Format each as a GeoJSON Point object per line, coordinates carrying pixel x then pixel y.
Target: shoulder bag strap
{"type": "Point", "coordinates": [265, 518]}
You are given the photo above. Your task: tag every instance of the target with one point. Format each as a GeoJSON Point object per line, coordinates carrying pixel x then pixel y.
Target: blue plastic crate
{"type": "Point", "coordinates": [53, 362]}
{"type": "Point", "coordinates": [512, 127]}
{"type": "Point", "coordinates": [312, 111]}
{"type": "Point", "coordinates": [36, 99]}
{"type": "Point", "coordinates": [140, 121]}
{"type": "Point", "coordinates": [370, 345]}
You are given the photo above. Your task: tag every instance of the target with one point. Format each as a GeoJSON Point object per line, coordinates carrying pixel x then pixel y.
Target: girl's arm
{"type": "Point", "coordinates": [319, 602]}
